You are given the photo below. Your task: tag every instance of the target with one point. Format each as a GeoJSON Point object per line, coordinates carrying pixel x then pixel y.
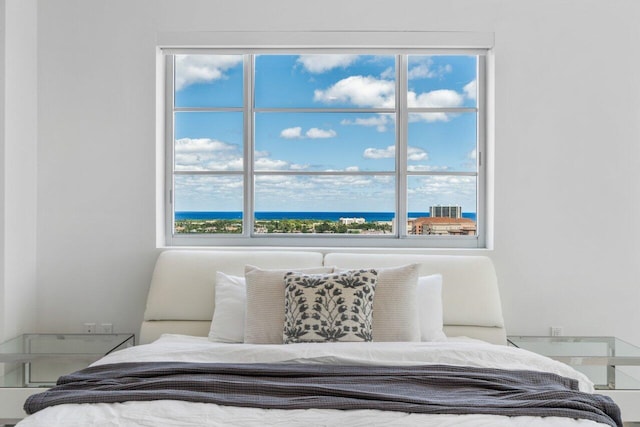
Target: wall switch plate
{"type": "Point", "coordinates": [106, 328]}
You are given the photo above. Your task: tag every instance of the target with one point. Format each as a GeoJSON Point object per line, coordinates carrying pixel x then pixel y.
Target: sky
{"type": "Point", "coordinates": [211, 140]}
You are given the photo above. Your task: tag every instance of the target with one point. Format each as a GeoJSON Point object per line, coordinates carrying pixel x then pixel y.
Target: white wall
{"type": "Point", "coordinates": [18, 145]}
{"type": "Point", "coordinates": [2, 160]}
{"type": "Point", "coordinates": [566, 148]}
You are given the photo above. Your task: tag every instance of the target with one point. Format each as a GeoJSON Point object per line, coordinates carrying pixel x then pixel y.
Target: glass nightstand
{"type": "Point", "coordinates": [609, 362]}
{"type": "Point", "coordinates": [31, 362]}
{"type": "Point", "coordinates": [37, 360]}
{"type": "Point", "coordinates": [613, 365]}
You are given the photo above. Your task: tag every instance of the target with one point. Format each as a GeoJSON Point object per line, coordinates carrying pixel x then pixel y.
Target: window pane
{"type": "Point", "coordinates": [325, 142]}
{"type": "Point", "coordinates": [324, 81]}
{"type": "Point", "coordinates": [442, 142]}
{"type": "Point", "coordinates": [208, 81]}
{"type": "Point", "coordinates": [208, 141]}
{"type": "Point", "coordinates": [452, 199]}
{"type": "Point", "coordinates": [208, 204]}
{"type": "Point", "coordinates": [357, 199]}
{"type": "Point", "coordinates": [442, 81]}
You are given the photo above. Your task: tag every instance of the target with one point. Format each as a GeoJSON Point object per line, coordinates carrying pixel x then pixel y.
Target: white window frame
{"type": "Point", "coordinates": [388, 43]}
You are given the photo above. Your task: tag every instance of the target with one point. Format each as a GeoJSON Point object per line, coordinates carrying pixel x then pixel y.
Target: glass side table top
{"type": "Point", "coordinates": [34, 360]}
{"type": "Point", "coordinates": [609, 362]}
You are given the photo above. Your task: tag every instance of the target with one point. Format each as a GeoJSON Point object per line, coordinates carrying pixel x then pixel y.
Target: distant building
{"type": "Point", "coordinates": [443, 226]}
{"type": "Point", "coordinates": [347, 221]}
{"type": "Point", "coordinates": [445, 211]}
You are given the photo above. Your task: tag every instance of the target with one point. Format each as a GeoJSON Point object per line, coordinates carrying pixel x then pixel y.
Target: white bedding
{"type": "Point", "coordinates": [464, 352]}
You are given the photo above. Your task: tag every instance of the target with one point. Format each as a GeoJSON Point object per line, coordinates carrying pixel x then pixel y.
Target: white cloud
{"type": "Point", "coordinates": [380, 122]}
{"type": "Point", "coordinates": [388, 74]}
{"type": "Point", "coordinates": [361, 91]}
{"type": "Point", "coordinates": [321, 63]}
{"type": "Point", "coordinates": [206, 193]}
{"type": "Point", "coordinates": [268, 164]}
{"type": "Point", "coordinates": [352, 168]}
{"type": "Point", "coordinates": [377, 153]}
{"type": "Point", "coordinates": [264, 163]}
{"type": "Point", "coordinates": [442, 98]}
{"type": "Point", "coordinates": [424, 70]}
{"type": "Point", "coordinates": [312, 192]}
{"type": "Point", "coordinates": [413, 153]}
{"type": "Point", "coordinates": [233, 164]}
{"type": "Point", "coordinates": [206, 154]}
{"type": "Point", "coordinates": [297, 167]}
{"type": "Point", "coordinates": [442, 189]}
{"type": "Point", "coordinates": [470, 161]}
{"type": "Point", "coordinates": [274, 179]}
{"type": "Point", "coordinates": [471, 89]}
{"type": "Point", "coordinates": [418, 72]}
{"type": "Point", "coordinates": [291, 133]}
{"type": "Point", "coordinates": [417, 154]}
{"type": "Point", "coordinates": [340, 184]}
{"type": "Point", "coordinates": [384, 179]}
{"type": "Point", "coordinates": [201, 154]}
{"type": "Point", "coordinates": [426, 168]}
{"type": "Point", "coordinates": [191, 69]}
{"type": "Point", "coordinates": [200, 145]}
{"type": "Point", "coordinates": [429, 117]}
{"type": "Point", "coordinates": [315, 133]}
{"type": "Point", "coordinates": [376, 93]}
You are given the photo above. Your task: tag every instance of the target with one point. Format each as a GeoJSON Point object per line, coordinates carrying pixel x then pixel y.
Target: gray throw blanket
{"type": "Point", "coordinates": [430, 389]}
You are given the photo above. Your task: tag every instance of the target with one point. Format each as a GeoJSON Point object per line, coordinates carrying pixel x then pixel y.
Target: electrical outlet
{"type": "Point", "coordinates": [556, 331]}
{"type": "Point", "coordinates": [106, 328]}
{"type": "Point", "coordinates": [89, 328]}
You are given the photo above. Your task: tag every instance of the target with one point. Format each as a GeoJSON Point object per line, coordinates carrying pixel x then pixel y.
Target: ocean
{"type": "Point", "coordinates": [321, 216]}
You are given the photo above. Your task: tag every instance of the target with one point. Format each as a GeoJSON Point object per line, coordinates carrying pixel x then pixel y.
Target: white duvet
{"type": "Point", "coordinates": [464, 352]}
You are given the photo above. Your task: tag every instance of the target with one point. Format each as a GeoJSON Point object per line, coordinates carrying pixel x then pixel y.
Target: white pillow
{"type": "Point", "coordinates": [429, 303]}
{"type": "Point", "coordinates": [228, 317]}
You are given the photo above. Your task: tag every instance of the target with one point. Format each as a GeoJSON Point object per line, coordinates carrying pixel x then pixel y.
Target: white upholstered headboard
{"type": "Point", "coordinates": [470, 296]}
{"type": "Point", "coordinates": [181, 294]}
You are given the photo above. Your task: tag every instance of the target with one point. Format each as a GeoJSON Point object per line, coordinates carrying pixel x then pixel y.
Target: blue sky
{"type": "Point", "coordinates": [324, 141]}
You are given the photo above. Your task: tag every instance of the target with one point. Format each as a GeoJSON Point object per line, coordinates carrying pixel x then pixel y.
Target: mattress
{"type": "Point", "coordinates": [457, 352]}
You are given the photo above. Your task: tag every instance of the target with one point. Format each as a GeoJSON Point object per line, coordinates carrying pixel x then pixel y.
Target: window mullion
{"type": "Point", "coordinates": [248, 214]}
{"type": "Point", "coordinates": [481, 147]}
{"type": "Point", "coordinates": [402, 119]}
{"type": "Point", "coordinates": [169, 194]}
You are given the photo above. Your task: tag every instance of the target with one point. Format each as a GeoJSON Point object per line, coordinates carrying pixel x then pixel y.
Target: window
{"type": "Point", "coordinates": [339, 148]}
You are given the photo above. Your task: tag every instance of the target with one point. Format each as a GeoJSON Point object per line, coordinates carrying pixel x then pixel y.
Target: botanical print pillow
{"type": "Point", "coordinates": [329, 307]}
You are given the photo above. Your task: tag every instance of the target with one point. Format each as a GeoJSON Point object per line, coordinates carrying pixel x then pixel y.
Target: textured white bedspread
{"type": "Point", "coordinates": [461, 352]}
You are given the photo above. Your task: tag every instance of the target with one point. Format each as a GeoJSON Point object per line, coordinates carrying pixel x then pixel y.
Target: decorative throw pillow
{"type": "Point", "coordinates": [429, 302]}
{"type": "Point", "coordinates": [395, 313]}
{"type": "Point", "coordinates": [329, 307]}
{"type": "Point", "coordinates": [264, 315]}
{"type": "Point", "coordinates": [228, 316]}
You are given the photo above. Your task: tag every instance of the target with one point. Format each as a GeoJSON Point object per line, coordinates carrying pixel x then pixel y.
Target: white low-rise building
{"type": "Point", "coordinates": [347, 221]}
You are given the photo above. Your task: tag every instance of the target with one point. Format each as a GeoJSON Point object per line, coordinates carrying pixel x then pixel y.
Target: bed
{"type": "Point", "coordinates": [420, 340]}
